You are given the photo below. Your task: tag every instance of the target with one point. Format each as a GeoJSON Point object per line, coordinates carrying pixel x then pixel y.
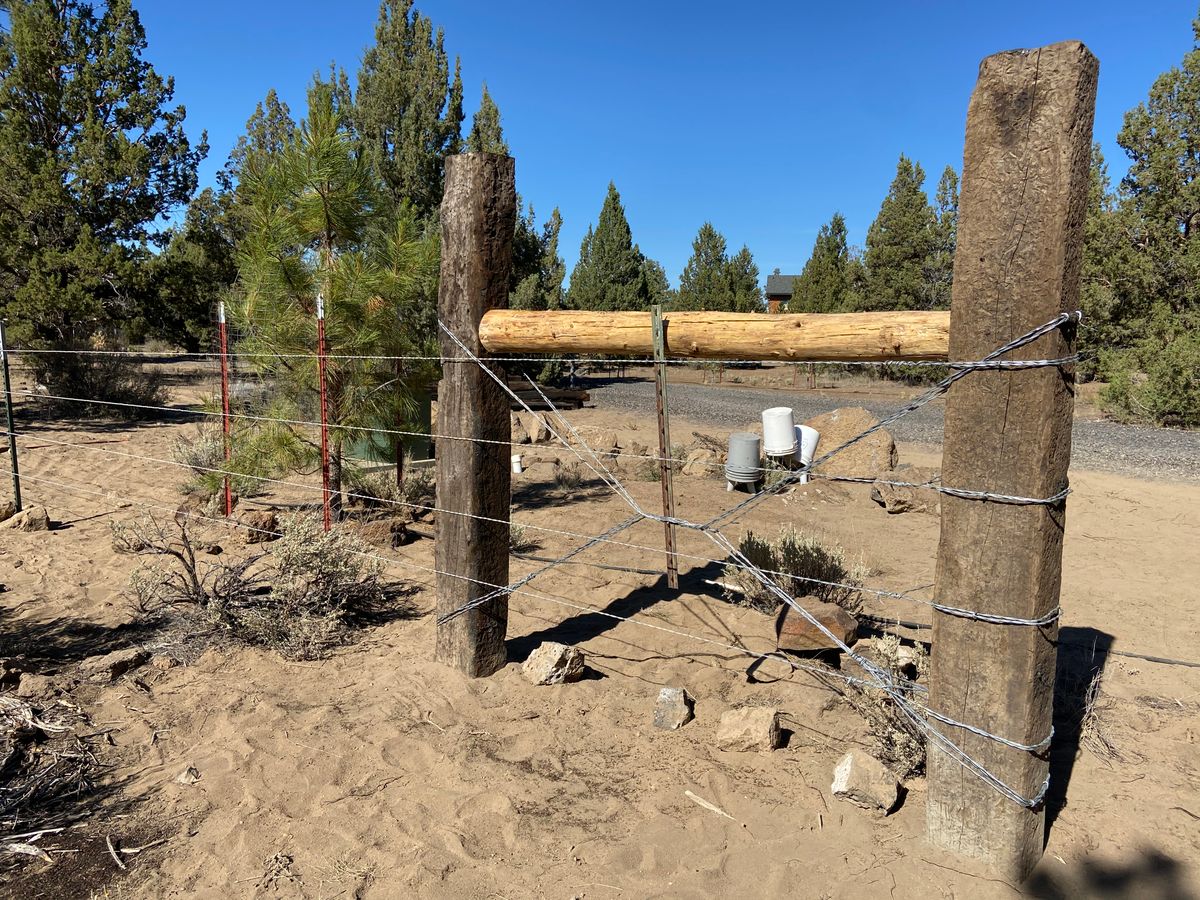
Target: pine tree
{"type": "Point", "coordinates": [407, 109]}
{"type": "Point", "coordinates": [486, 134]}
{"type": "Point", "coordinates": [93, 156]}
{"type": "Point", "coordinates": [542, 288]}
{"type": "Point", "coordinates": [744, 288]}
{"type": "Point", "coordinates": [315, 228]}
{"type": "Point", "coordinates": [899, 243]}
{"type": "Point", "coordinates": [824, 284]}
{"type": "Point", "coordinates": [609, 274]}
{"type": "Point", "coordinates": [657, 283]}
{"type": "Point", "coordinates": [939, 270]}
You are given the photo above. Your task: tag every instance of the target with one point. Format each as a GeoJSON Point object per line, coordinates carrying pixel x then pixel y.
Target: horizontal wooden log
{"type": "Point", "coordinates": [791, 337]}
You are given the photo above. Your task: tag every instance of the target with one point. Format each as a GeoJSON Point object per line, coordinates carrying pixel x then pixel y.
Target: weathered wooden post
{"type": "Point", "coordinates": [478, 217]}
{"type": "Point", "coordinates": [1020, 234]}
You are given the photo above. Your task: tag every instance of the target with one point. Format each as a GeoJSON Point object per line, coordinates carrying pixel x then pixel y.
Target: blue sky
{"type": "Point", "coordinates": [764, 118]}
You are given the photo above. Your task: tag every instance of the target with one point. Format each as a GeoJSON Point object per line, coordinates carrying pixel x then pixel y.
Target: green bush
{"type": "Point", "coordinates": [1158, 382]}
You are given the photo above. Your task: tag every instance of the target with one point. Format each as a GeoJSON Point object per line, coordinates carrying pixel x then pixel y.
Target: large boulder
{"type": "Point", "coordinates": [261, 526]}
{"type": "Point", "coordinates": [900, 498]}
{"type": "Point", "coordinates": [869, 458]}
{"type": "Point", "coordinates": [520, 435]}
{"type": "Point", "coordinates": [535, 426]}
{"type": "Point", "coordinates": [798, 634]}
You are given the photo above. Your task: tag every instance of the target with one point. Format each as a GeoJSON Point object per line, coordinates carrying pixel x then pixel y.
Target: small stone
{"type": "Point", "coordinates": [798, 634]}
{"type": "Point", "coordinates": [31, 686]}
{"type": "Point", "coordinates": [674, 708]}
{"type": "Point", "coordinates": [113, 665]}
{"type": "Point", "coordinates": [868, 458]}
{"type": "Point", "coordinates": [261, 526]}
{"type": "Point", "coordinates": [162, 662]}
{"type": "Point", "coordinates": [535, 426]}
{"type": "Point", "coordinates": [35, 518]}
{"type": "Point", "coordinates": [8, 509]}
{"type": "Point", "coordinates": [701, 462]}
{"type": "Point", "coordinates": [864, 781]}
{"type": "Point", "coordinates": [898, 499]}
{"type": "Point", "coordinates": [190, 775]}
{"type": "Point", "coordinates": [553, 663]}
{"type": "Point", "coordinates": [749, 728]}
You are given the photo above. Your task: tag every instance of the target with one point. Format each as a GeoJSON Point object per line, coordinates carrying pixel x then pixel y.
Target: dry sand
{"type": "Point", "coordinates": [378, 773]}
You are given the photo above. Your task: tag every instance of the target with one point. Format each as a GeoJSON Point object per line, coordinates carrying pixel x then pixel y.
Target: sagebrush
{"type": "Point", "coordinates": [808, 567]}
{"type": "Point", "coordinates": [301, 596]}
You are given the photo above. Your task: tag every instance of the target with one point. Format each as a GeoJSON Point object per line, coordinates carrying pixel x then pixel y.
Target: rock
{"type": "Point", "coordinates": [190, 775]}
{"type": "Point", "coordinates": [674, 708]}
{"type": "Point", "coordinates": [749, 728]}
{"type": "Point", "coordinates": [535, 426]}
{"type": "Point", "coordinates": [31, 686]}
{"type": "Point", "coordinates": [519, 433]}
{"type": "Point", "coordinates": [864, 781]}
{"type": "Point", "coordinates": [701, 462]}
{"type": "Point", "coordinates": [8, 509]}
{"type": "Point", "coordinates": [553, 663]}
{"type": "Point", "coordinates": [798, 634]}
{"type": "Point", "coordinates": [162, 662]}
{"type": "Point", "coordinates": [261, 526]}
{"type": "Point", "coordinates": [869, 458]}
{"type": "Point", "coordinates": [605, 442]}
{"type": "Point", "coordinates": [113, 665]}
{"type": "Point", "coordinates": [35, 518]}
{"type": "Point", "coordinates": [897, 499]}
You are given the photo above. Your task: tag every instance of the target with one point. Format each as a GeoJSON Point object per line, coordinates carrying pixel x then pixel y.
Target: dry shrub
{"type": "Point", "coordinates": [651, 469]}
{"type": "Point", "coordinates": [519, 540]}
{"type": "Point", "coordinates": [202, 450]}
{"type": "Point", "coordinates": [567, 477]}
{"type": "Point", "coordinates": [379, 489]}
{"type": "Point", "coordinates": [810, 569]}
{"type": "Point", "coordinates": [104, 379]}
{"type": "Point", "coordinates": [301, 598]}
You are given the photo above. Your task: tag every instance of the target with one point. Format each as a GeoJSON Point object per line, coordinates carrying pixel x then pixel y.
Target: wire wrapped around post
{"type": "Point", "coordinates": [223, 337]}
{"type": "Point", "coordinates": [326, 494]}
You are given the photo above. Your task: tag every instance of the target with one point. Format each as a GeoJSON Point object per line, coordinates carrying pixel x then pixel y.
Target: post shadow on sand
{"type": "Point", "coordinates": [1148, 875]}
{"type": "Point", "coordinates": [580, 628]}
{"type": "Point", "coordinates": [1082, 656]}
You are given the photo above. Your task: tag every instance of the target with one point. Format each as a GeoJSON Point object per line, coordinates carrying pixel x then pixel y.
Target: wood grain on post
{"type": "Point", "coordinates": [1020, 236]}
{"type": "Point", "coordinates": [478, 217]}
{"type": "Point", "coordinates": [789, 337]}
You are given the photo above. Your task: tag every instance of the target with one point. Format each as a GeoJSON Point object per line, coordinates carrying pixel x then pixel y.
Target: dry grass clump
{"type": "Point", "coordinates": [567, 477]}
{"type": "Point", "coordinates": [811, 569]}
{"type": "Point", "coordinates": [1082, 710]}
{"type": "Point", "coordinates": [202, 450]}
{"type": "Point", "coordinates": [301, 597]}
{"type": "Point", "coordinates": [379, 489]}
{"type": "Point", "coordinates": [651, 469]}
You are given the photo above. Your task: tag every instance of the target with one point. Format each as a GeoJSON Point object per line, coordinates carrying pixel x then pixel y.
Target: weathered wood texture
{"type": "Point", "coordinates": [478, 216]}
{"type": "Point", "coordinates": [1020, 233]}
{"type": "Point", "coordinates": [721, 335]}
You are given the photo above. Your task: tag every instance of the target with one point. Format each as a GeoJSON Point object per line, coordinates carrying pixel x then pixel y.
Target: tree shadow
{"type": "Point", "coordinates": [1082, 654]}
{"type": "Point", "coordinates": [48, 647]}
{"type": "Point", "coordinates": [1150, 875]}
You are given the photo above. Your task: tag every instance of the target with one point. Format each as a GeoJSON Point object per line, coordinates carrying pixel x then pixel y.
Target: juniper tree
{"type": "Point", "coordinates": [939, 267]}
{"type": "Point", "coordinates": [899, 243]}
{"type": "Point", "coordinates": [486, 134]}
{"type": "Point", "coordinates": [824, 285]}
{"type": "Point", "coordinates": [315, 229]}
{"type": "Point", "coordinates": [704, 281]}
{"type": "Point", "coordinates": [94, 156]}
{"type": "Point", "coordinates": [609, 274]}
{"type": "Point", "coordinates": [408, 108]}
{"type": "Point", "coordinates": [542, 288]}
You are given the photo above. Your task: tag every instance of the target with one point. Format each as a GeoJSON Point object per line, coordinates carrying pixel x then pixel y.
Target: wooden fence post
{"type": "Point", "coordinates": [478, 218]}
{"type": "Point", "coordinates": [1020, 236]}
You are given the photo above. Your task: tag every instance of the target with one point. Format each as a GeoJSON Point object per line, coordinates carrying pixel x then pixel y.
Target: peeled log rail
{"type": "Point", "coordinates": [790, 337]}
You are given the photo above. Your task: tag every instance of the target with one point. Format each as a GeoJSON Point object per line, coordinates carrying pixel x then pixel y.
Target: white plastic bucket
{"type": "Point", "coordinates": [807, 439]}
{"type": "Point", "coordinates": [779, 431]}
{"type": "Point", "coordinates": [517, 468]}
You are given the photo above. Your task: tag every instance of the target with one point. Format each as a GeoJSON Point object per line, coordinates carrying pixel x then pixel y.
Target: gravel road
{"type": "Point", "coordinates": [1133, 450]}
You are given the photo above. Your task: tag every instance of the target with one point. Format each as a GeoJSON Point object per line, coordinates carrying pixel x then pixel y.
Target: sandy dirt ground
{"type": "Point", "coordinates": [377, 773]}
